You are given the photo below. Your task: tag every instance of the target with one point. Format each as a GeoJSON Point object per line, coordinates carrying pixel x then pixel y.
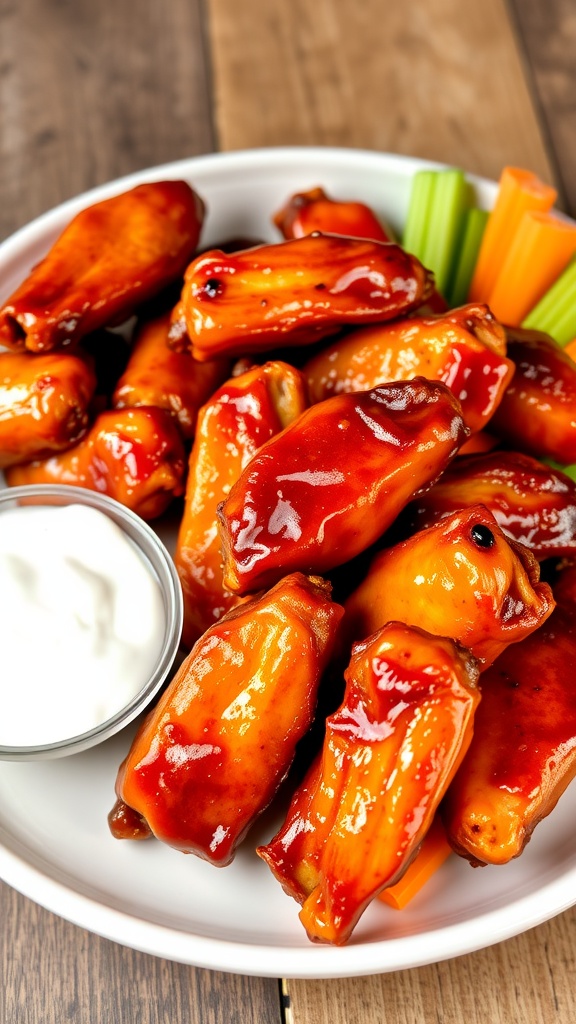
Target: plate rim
{"type": "Point", "coordinates": [313, 961]}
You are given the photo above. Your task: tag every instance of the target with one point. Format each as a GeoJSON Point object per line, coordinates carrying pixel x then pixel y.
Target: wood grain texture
{"type": "Point", "coordinates": [445, 82]}
{"type": "Point", "coordinates": [528, 980]}
{"type": "Point", "coordinates": [548, 31]}
{"type": "Point", "coordinates": [55, 973]}
{"type": "Point", "coordinates": [91, 91]}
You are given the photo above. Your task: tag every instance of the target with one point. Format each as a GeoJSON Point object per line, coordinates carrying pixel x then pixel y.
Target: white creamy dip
{"type": "Point", "coordinates": [81, 622]}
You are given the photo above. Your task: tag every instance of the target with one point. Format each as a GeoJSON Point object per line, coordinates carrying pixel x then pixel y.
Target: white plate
{"type": "Point", "coordinates": [54, 841]}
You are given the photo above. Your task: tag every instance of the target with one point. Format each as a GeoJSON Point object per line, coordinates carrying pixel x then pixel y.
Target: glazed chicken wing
{"type": "Point", "coordinates": [537, 414]}
{"type": "Point", "coordinates": [44, 403]}
{"type": "Point", "coordinates": [464, 348]}
{"type": "Point", "coordinates": [209, 758]}
{"type": "Point", "coordinates": [134, 455]}
{"type": "Point", "coordinates": [460, 578]}
{"type": "Point", "coordinates": [523, 755]}
{"type": "Point", "coordinates": [389, 753]}
{"type": "Point", "coordinates": [306, 212]}
{"type": "Point", "coordinates": [156, 375]}
{"type": "Point", "coordinates": [330, 484]}
{"type": "Point", "coordinates": [295, 293]}
{"type": "Point", "coordinates": [239, 418]}
{"type": "Point", "coordinates": [531, 502]}
{"type": "Point", "coordinates": [110, 258]}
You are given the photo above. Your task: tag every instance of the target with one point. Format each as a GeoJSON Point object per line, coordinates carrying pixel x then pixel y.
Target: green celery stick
{"type": "Point", "coordinates": [556, 312]}
{"type": "Point", "coordinates": [465, 263]}
{"type": "Point", "coordinates": [563, 329]}
{"type": "Point", "coordinates": [554, 306]}
{"type": "Point", "coordinates": [445, 225]}
{"type": "Point", "coordinates": [421, 198]}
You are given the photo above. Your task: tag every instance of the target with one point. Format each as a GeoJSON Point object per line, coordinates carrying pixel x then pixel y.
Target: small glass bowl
{"type": "Point", "coordinates": [162, 568]}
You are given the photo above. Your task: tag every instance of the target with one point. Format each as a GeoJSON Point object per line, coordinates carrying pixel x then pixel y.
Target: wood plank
{"type": "Point", "coordinates": [88, 92]}
{"type": "Point", "coordinates": [54, 972]}
{"type": "Point", "coordinates": [548, 31]}
{"type": "Point", "coordinates": [93, 91]}
{"type": "Point", "coordinates": [529, 980]}
{"type": "Point", "coordinates": [446, 83]}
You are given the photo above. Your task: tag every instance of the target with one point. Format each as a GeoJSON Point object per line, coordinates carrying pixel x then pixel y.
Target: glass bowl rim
{"type": "Point", "coordinates": [159, 562]}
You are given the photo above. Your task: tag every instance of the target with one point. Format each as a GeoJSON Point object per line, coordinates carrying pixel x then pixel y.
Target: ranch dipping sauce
{"type": "Point", "coordinates": [82, 622]}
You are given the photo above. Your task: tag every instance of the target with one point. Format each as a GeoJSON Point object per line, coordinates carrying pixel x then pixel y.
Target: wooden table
{"type": "Point", "coordinates": [93, 90]}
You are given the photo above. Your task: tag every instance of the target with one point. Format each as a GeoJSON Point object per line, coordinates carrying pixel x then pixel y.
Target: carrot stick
{"type": "Point", "coordinates": [431, 855]}
{"type": "Point", "coordinates": [519, 191]}
{"type": "Point", "coordinates": [540, 250]}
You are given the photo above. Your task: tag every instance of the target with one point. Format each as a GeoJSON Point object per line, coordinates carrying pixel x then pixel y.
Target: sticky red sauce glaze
{"type": "Point", "coordinates": [111, 257]}
{"type": "Point", "coordinates": [295, 292]}
{"type": "Point", "coordinates": [523, 754]}
{"type": "Point", "coordinates": [530, 711]}
{"type": "Point", "coordinates": [212, 754]}
{"type": "Point", "coordinates": [537, 414]}
{"type": "Point", "coordinates": [243, 414]}
{"type": "Point", "coordinates": [159, 376]}
{"type": "Point", "coordinates": [565, 586]}
{"type": "Point", "coordinates": [124, 823]}
{"type": "Point", "coordinates": [389, 753]}
{"type": "Point", "coordinates": [478, 380]}
{"type": "Point", "coordinates": [464, 348]}
{"type": "Point", "coordinates": [531, 502]}
{"type": "Point", "coordinates": [44, 403]}
{"type": "Point", "coordinates": [247, 417]}
{"type": "Point", "coordinates": [134, 455]}
{"type": "Point", "coordinates": [329, 485]}
{"type": "Point", "coordinates": [460, 577]}
{"type": "Point", "coordinates": [183, 781]}
{"type": "Point", "coordinates": [311, 211]}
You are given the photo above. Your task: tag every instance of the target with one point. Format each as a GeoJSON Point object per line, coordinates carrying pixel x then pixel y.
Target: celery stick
{"type": "Point", "coordinates": [556, 312]}
{"type": "Point", "coordinates": [421, 198]}
{"type": "Point", "coordinates": [563, 329]}
{"type": "Point", "coordinates": [445, 225]}
{"type": "Point", "coordinates": [554, 303]}
{"type": "Point", "coordinates": [474, 227]}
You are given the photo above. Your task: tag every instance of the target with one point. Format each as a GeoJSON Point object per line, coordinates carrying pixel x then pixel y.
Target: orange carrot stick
{"type": "Point", "coordinates": [431, 855]}
{"type": "Point", "coordinates": [540, 249]}
{"type": "Point", "coordinates": [519, 191]}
